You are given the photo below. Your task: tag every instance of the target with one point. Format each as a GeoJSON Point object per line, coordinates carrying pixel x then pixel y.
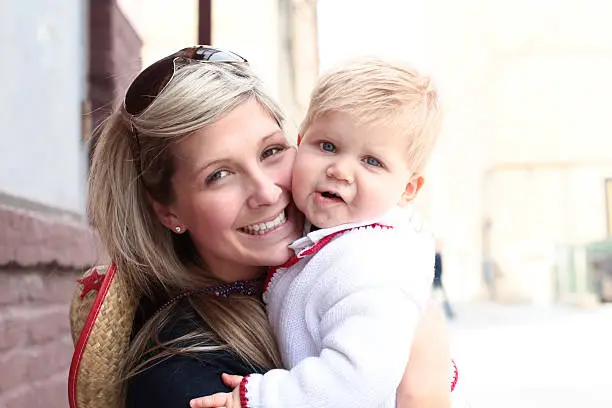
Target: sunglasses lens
{"type": "Point", "coordinates": [147, 86]}
{"type": "Point", "coordinates": [213, 55]}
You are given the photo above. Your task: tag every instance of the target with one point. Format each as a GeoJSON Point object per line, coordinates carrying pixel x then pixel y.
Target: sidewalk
{"type": "Point", "coordinates": [526, 356]}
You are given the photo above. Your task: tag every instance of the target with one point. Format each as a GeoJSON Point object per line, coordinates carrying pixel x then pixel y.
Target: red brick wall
{"type": "Point", "coordinates": [41, 255]}
{"type": "Point", "coordinates": [35, 342]}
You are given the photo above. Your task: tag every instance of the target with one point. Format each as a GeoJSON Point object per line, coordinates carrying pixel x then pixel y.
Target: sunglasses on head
{"type": "Point", "coordinates": [152, 81]}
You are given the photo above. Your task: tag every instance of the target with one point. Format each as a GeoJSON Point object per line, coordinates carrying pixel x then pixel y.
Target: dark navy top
{"type": "Point", "coordinates": [173, 382]}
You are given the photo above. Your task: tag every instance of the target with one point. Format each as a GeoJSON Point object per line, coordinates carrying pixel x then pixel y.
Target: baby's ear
{"type": "Point", "coordinates": [412, 188]}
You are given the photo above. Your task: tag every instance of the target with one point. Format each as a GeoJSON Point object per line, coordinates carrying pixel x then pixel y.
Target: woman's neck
{"type": "Point", "coordinates": [233, 273]}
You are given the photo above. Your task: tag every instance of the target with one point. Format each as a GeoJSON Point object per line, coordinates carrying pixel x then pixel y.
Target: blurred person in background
{"type": "Point", "coordinates": [438, 284]}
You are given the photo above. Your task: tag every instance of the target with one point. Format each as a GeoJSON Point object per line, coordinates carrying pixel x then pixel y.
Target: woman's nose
{"type": "Point", "coordinates": [265, 191]}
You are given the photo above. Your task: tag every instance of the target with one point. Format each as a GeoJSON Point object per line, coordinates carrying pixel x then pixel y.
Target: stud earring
{"type": "Point", "coordinates": [178, 229]}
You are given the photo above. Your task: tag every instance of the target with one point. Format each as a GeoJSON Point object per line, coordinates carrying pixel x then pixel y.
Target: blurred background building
{"type": "Point", "coordinates": [519, 190]}
{"type": "Point", "coordinates": [519, 185]}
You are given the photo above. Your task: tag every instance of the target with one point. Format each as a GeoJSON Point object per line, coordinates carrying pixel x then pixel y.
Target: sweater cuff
{"type": "Point", "coordinates": [250, 395]}
{"type": "Point", "coordinates": [244, 400]}
{"type": "Point", "coordinates": [454, 375]}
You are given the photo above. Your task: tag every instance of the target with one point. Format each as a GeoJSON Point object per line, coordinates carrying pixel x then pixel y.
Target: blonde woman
{"type": "Point", "coordinates": [190, 192]}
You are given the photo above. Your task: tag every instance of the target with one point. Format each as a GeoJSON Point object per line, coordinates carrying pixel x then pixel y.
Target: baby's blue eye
{"type": "Point", "coordinates": [328, 147]}
{"type": "Point", "coordinates": [373, 162]}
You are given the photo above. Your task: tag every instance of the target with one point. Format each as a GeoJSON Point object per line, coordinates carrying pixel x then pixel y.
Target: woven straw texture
{"type": "Point", "coordinates": [98, 382]}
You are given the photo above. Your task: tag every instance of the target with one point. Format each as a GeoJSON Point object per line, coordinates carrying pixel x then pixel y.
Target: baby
{"type": "Point", "coordinates": [344, 308]}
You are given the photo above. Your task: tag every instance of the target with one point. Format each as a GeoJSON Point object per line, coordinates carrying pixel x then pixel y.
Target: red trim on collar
{"type": "Point", "coordinates": [79, 350]}
{"type": "Point", "coordinates": [313, 250]}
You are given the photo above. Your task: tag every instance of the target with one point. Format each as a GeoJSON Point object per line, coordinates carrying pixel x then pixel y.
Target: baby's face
{"type": "Point", "coordinates": [346, 173]}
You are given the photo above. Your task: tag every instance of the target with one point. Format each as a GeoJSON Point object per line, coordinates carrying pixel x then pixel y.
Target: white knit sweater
{"type": "Point", "coordinates": [344, 316]}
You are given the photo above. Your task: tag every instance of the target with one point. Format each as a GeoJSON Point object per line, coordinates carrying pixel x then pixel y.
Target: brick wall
{"type": "Point", "coordinates": [41, 255]}
{"type": "Point", "coordinates": [35, 344]}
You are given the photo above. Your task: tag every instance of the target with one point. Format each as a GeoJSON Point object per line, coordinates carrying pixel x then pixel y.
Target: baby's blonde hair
{"type": "Point", "coordinates": [380, 93]}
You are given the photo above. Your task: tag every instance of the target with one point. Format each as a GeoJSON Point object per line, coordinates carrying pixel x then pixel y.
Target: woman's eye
{"type": "Point", "coordinates": [327, 147]}
{"type": "Point", "coordinates": [272, 151]}
{"type": "Point", "coordinates": [371, 161]}
{"type": "Point", "coordinates": [217, 175]}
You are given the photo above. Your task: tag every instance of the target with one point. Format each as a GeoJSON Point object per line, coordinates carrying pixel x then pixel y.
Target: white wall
{"type": "Point", "coordinates": [252, 29]}
{"type": "Point", "coordinates": [388, 28]}
{"type": "Point", "coordinates": [43, 82]}
{"type": "Point", "coordinates": [163, 26]}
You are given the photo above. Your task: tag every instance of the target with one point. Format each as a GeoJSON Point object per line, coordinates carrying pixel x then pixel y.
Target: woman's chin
{"type": "Point", "coordinates": [275, 258]}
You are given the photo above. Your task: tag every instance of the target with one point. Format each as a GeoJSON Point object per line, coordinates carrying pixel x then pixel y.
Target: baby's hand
{"type": "Point", "coordinates": [221, 399]}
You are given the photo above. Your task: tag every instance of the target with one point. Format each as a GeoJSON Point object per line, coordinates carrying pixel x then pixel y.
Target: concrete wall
{"type": "Point", "coordinates": [163, 26]}
{"type": "Point", "coordinates": [43, 70]}
{"type": "Point", "coordinates": [252, 29]}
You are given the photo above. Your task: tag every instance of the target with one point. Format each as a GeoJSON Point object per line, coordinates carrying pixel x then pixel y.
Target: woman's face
{"type": "Point", "coordinates": [232, 185]}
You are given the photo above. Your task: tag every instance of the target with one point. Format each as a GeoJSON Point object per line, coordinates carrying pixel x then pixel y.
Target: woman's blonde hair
{"type": "Point", "coordinates": [133, 164]}
{"type": "Point", "coordinates": [382, 93]}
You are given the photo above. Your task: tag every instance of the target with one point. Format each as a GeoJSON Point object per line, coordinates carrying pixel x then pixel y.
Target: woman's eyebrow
{"type": "Point", "coordinates": [199, 169]}
{"type": "Point", "coordinates": [271, 135]}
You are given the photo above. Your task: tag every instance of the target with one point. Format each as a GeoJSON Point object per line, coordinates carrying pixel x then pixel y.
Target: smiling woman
{"type": "Point", "coordinates": [183, 173]}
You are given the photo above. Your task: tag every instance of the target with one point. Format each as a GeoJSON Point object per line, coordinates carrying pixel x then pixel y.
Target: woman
{"type": "Point", "coordinates": [190, 193]}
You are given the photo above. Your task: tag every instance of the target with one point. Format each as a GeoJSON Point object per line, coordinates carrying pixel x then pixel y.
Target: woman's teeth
{"type": "Point", "coordinates": [263, 227]}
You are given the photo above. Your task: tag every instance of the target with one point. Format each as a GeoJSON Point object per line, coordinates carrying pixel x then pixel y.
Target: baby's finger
{"type": "Point", "coordinates": [210, 401]}
{"type": "Point", "coordinates": [230, 380]}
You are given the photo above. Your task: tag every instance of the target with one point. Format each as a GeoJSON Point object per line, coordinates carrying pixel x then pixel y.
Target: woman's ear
{"type": "Point", "coordinates": [165, 214]}
{"type": "Point", "coordinates": [412, 189]}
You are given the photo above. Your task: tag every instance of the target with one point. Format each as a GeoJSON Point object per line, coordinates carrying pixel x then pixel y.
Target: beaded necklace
{"type": "Point", "coordinates": [252, 287]}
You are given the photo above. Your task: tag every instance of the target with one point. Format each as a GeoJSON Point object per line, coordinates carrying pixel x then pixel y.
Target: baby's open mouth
{"type": "Point", "coordinates": [331, 195]}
